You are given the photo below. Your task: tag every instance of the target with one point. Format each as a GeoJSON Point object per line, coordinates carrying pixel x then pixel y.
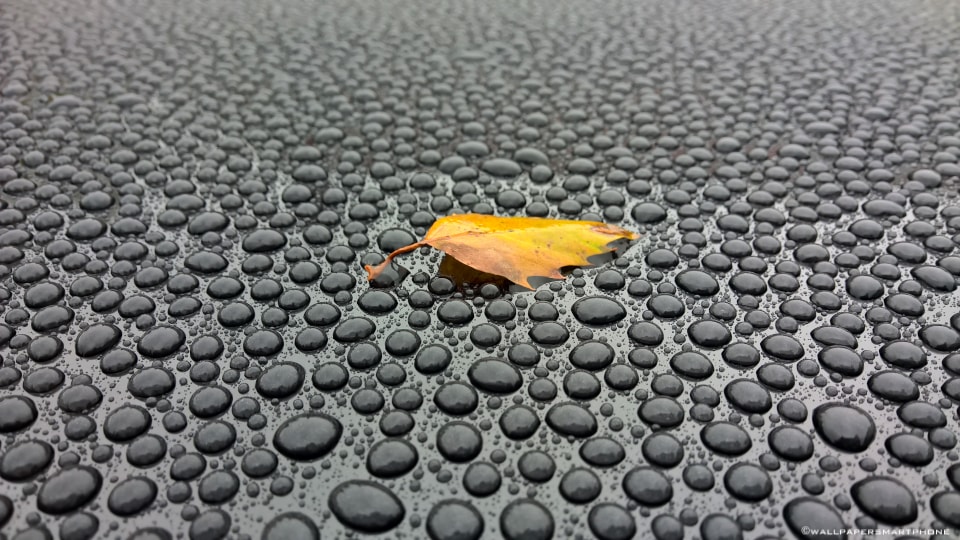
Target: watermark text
{"type": "Point", "coordinates": [812, 531]}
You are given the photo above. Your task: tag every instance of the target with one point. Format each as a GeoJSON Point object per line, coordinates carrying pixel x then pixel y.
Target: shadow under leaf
{"type": "Point", "coordinates": [467, 276]}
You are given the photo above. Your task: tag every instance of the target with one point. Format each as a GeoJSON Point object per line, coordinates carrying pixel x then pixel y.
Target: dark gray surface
{"type": "Point", "coordinates": [790, 166]}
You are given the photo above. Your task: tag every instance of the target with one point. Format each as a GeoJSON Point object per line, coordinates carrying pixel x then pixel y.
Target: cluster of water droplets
{"type": "Point", "coordinates": [189, 192]}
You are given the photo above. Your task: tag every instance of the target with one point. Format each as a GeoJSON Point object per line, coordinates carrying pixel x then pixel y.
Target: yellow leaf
{"type": "Point", "coordinates": [516, 248]}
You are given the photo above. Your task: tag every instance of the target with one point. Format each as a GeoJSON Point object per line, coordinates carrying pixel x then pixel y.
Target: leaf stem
{"type": "Point", "coordinates": [374, 271]}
